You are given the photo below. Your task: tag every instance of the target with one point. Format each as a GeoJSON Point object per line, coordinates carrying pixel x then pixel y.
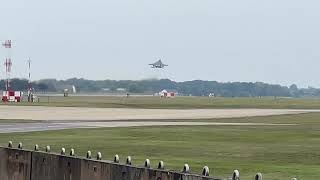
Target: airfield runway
{"type": "Point", "coordinates": [55, 118]}
{"type": "Point", "coordinates": [105, 114]}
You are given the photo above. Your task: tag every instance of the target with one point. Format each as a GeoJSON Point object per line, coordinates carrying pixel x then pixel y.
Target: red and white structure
{"type": "Point", "coordinates": [164, 93]}
{"type": "Point", "coordinates": [12, 96]}
{"type": "Point", "coordinates": [9, 95]}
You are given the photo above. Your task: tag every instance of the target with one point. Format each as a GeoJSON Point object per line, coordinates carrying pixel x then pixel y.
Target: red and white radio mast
{"type": "Point", "coordinates": [8, 63]}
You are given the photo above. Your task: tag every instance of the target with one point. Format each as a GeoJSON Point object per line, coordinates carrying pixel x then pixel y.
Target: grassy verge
{"type": "Point", "coordinates": [177, 103]}
{"type": "Point", "coordinates": [280, 152]}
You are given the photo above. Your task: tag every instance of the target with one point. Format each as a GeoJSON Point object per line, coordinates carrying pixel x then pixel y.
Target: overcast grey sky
{"type": "Point", "coordinates": [275, 41]}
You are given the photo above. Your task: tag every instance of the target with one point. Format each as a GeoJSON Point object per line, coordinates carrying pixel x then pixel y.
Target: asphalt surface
{"type": "Point", "coordinates": [57, 118]}
{"type": "Point", "coordinates": [30, 127]}
{"type": "Point", "coordinates": [112, 114]}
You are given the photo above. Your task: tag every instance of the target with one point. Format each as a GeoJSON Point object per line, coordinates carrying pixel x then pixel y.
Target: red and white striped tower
{"type": "Point", "coordinates": [8, 63]}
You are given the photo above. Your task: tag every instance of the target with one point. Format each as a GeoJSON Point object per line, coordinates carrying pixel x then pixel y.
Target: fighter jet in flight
{"type": "Point", "coordinates": [158, 64]}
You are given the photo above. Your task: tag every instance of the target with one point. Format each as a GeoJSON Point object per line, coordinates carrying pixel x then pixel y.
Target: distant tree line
{"type": "Point", "coordinates": [195, 88]}
{"type": "Point", "coordinates": [23, 84]}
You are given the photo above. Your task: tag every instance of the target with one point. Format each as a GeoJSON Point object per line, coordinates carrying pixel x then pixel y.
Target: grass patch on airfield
{"type": "Point", "coordinates": [176, 103]}
{"type": "Point", "coordinates": [279, 152]}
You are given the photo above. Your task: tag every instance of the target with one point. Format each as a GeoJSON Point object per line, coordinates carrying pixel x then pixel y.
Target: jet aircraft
{"type": "Point", "coordinates": [158, 64]}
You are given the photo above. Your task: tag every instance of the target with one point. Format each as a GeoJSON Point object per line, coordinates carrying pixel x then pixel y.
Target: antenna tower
{"type": "Point", "coordinates": [8, 63]}
{"type": "Point", "coordinates": [29, 66]}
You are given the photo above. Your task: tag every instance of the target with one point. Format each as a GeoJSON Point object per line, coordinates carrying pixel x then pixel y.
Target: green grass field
{"type": "Point", "coordinates": [279, 152]}
{"type": "Point", "coordinates": [177, 103]}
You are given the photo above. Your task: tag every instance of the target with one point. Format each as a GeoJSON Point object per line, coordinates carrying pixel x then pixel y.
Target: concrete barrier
{"type": "Point", "coordinates": [95, 170]}
{"type": "Point", "coordinates": [19, 164]}
{"type": "Point", "coordinates": [15, 164]}
{"type": "Point", "coordinates": [53, 167]}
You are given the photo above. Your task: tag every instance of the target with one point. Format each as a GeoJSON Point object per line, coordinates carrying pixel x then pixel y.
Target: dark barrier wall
{"type": "Point", "coordinates": [17, 164]}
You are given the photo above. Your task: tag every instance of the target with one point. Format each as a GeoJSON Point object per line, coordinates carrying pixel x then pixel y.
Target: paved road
{"type": "Point", "coordinates": [29, 127]}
